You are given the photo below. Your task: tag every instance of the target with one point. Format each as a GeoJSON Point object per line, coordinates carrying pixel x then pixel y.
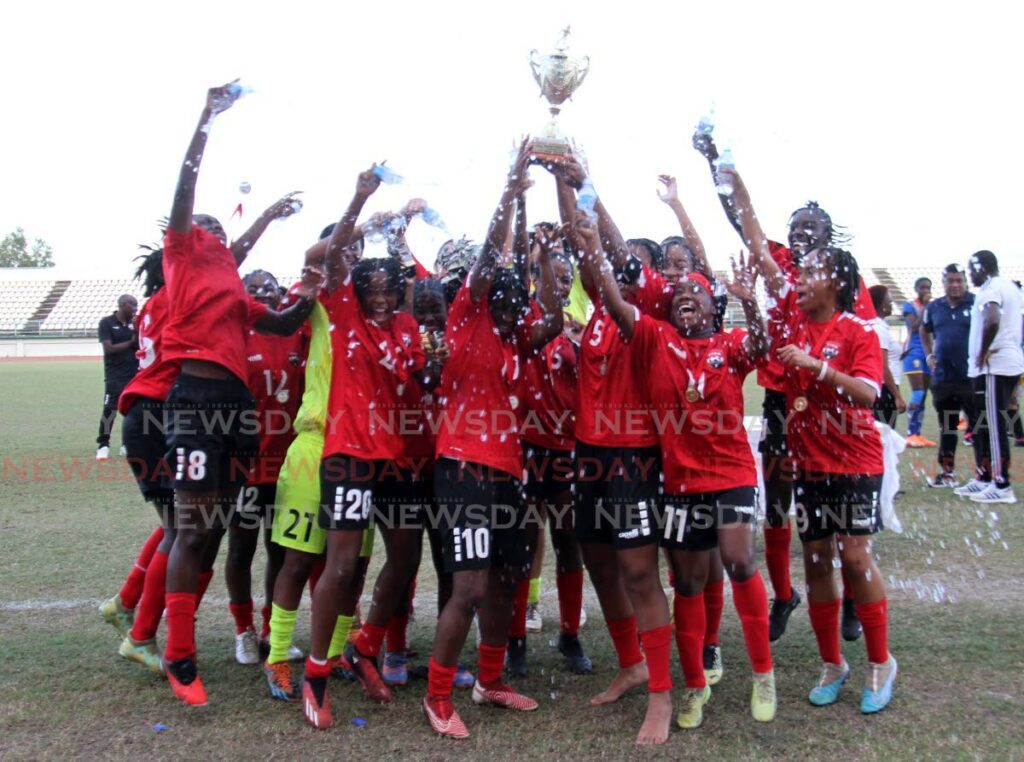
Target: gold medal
{"type": "Point", "coordinates": [800, 404]}
{"type": "Point", "coordinates": [692, 395]}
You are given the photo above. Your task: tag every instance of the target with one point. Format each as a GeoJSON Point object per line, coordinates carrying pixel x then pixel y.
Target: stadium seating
{"type": "Point", "coordinates": [85, 302]}
{"type": "Point", "coordinates": [20, 301]}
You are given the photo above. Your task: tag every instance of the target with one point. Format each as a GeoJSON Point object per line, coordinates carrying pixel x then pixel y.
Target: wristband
{"type": "Point", "coordinates": [823, 371]}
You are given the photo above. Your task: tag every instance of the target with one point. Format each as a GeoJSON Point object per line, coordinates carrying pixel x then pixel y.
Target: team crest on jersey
{"type": "Point", "coordinates": [830, 351]}
{"type": "Point", "coordinates": [716, 358]}
{"type": "Point", "coordinates": [294, 358]}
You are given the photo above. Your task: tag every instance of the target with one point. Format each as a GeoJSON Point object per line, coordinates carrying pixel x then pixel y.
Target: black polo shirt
{"type": "Point", "coordinates": [118, 366]}
{"type": "Point", "coordinates": [950, 328]}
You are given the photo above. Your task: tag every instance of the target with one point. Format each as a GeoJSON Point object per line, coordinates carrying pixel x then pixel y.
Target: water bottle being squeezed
{"type": "Point", "coordinates": [723, 183]}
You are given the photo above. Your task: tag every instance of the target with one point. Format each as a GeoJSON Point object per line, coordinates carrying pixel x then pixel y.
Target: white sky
{"type": "Point", "coordinates": [901, 118]}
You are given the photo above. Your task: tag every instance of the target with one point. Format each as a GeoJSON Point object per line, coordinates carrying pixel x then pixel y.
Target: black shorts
{"type": "Point", "coordinates": [843, 503]}
{"type": "Point", "coordinates": [616, 493]}
{"type": "Point", "coordinates": [144, 434]}
{"type": "Point", "coordinates": [479, 516]}
{"type": "Point", "coordinates": [404, 502]}
{"type": "Point", "coordinates": [691, 522]}
{"type": "Point", "coordinates": [773, 431]}
{"type": "Point", "coordinates": [347, 487]}
{"type": "Point", "coordinates": [549, 473]}
{"type": "Point", "coordinates": [212, 433]}
{"type": "Point", "coordinates": [255, 504]}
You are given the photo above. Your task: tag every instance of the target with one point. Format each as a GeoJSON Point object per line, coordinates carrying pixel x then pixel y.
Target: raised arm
{"type": "Point", "coordinates": [754, 237]}
{"type": "Point", "coordinates": [521, 240]}
{"type": "Point", "coordinates": [670, 195]}
{"type": "Point", "coordinates": [705, 146]}
{"type": "Point", "coordinates": [588, 239]}
{"type": "Point", "coordinates": [552, 322]}
{"type": "Point", "coordinates": [287, 321]}
{"type": "Point", "coordinates": [218, 99]}
{"type": "Point", "coordinates": [742, 287]}
{"type": "Point", "coordinates": [286, 206]}
{"type": "Point", "coordinates": [486, 264]}
{"type": "Point", "coordinates": [344, 231]}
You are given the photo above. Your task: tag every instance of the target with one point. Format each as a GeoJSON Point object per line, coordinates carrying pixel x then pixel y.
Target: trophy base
{"type": "Point", "coordinates": [549, 150]}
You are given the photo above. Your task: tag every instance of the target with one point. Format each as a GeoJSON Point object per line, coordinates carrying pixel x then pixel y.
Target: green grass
{"type": "Point", "coordinates": [64, 692]}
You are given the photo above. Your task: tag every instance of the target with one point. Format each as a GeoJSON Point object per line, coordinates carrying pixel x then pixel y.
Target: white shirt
{"type": "Point", "coordinates": [1006, 358]}
{"type": "Point", "coordinates": [891, 346]}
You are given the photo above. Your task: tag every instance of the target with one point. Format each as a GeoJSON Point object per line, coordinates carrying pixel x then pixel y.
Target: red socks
{"type": "Point", "coordinates": [874, 618]}
{"type": "Point", "coordinates": [690, 626]}
{"type": "Point", "coordinates": [314, 670]}
{"type": "Point", "coordinates": [202, 584]}
{"type": "Point", "coordinates": [751, 601]}
{"type": "Point", "coordinates": [181, 631]}
{"type": "Point", "coordinates": [440, 679]}
{"type": "Point", "coordinates": [131, 591]}
{"type": "Point", "coordinates": [490, 663]}
{"type": "Point", "coordinates": [657, 645]}
{"type": "Point", "coordinates": [242, 612]}
{"type": "Point", "coordinates": [570, 600]}
{"type": "Point", "coordinates": [776, 556]}
{"type": "Point", "coordinates": [626, 640]}
{"type": "Point", "coordinates": [714, 602]}
{"type": "Point", "coordinates": [265, 612]}
{"type": "Point", "coordinates": [825, 623]}
{"type": "Point", "coordinates": [397, 627]}
{"type": "Point", "coordinates": [151, 605]}
{"type": "Point", "coordinates": [369, 639]}
{"type": "Point", "coordinates": [518, 627]}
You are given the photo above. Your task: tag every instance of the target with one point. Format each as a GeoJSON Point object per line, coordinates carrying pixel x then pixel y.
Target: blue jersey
{"type": "Point", "coordinates": [950, 328]}
{"type": "Point", "coordinates": [913, 337]}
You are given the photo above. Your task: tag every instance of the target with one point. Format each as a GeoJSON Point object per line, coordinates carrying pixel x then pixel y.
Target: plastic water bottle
{"type": "Point", "coordinates": [723, 184]}
{"type": "Point", "coordinates": [433, 218]}
{"type": "Point", "coordinates": [237, 90]}
{"type": "Point", "coordinates": [387, 175]}
{"type": "Point", "coordinates": [586, 199]}
{"type": "Point", "coordinates": [706, 125]}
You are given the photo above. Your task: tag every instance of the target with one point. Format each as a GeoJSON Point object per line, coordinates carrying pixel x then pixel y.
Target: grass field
{"type": "Point", "coordinates": [69, 535]}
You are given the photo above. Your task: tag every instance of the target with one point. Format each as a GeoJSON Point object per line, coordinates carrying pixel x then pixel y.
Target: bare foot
{"type": "Point", "coordinates": [625, 680]}
{"type": "Point", "coordinates": [659, 715]}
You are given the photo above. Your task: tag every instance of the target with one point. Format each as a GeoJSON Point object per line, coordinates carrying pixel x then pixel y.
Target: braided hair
{"type": "Point", "coordinates": [845, 269]}
{"type": "Point", "coordinates": [837, 234]}
{"type": "Point", "coordinates": [151, 269]}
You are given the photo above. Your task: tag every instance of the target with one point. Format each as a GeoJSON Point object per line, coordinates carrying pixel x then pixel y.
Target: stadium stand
{"type": "Point", "coordinates": [85, 302]}
{"type": "Point", "coordinates": [20, 301]}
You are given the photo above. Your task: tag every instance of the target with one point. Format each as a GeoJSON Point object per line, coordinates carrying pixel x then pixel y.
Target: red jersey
{"type": "Point", "coordinates": [704, 446]}
{"type": "Point", "coordinates": [613, 408]}
{"type": "Point", "coordinates": [770, 375]}
{"type": "Point", "coordinates": [276, 365]}
{"type": "Point", "coordinates": [551, 393]}
{"type": "Point", "coordinates": [370, 369]}
{"type": "Point", "coordinates": [156, 373]}
{"type": "Point", "coordinates": [482, 388]}
{"type": "Point", "coordinates": [420, 421]}
{"type": "Point", "coordinates": [209, 308]}
{"type": "Point", "coordinates": [832, 435]}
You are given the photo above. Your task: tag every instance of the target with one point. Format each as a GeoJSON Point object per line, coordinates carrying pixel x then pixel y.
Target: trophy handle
{"type": "Point", "coordinates": [581, 74]}
{"type": "Point", "coordinates": [535, 67]}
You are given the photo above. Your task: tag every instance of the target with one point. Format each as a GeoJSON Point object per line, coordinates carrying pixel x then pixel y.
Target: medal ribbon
{"type": "Point", "coordinates": [805, 376]}
{"type": "Point", "coordinates": [697, 379]}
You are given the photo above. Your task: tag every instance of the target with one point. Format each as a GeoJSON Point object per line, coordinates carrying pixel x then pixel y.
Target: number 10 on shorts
{"type": "Point", "coordinates": [472, 543]}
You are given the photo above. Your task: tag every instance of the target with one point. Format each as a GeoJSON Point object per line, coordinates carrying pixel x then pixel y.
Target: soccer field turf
{"type": "Point", "coordinates": [69, 533]}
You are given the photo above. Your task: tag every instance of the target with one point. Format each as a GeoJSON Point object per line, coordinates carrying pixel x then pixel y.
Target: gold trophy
{"type": "Point", "coordinates": [558, 76]}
